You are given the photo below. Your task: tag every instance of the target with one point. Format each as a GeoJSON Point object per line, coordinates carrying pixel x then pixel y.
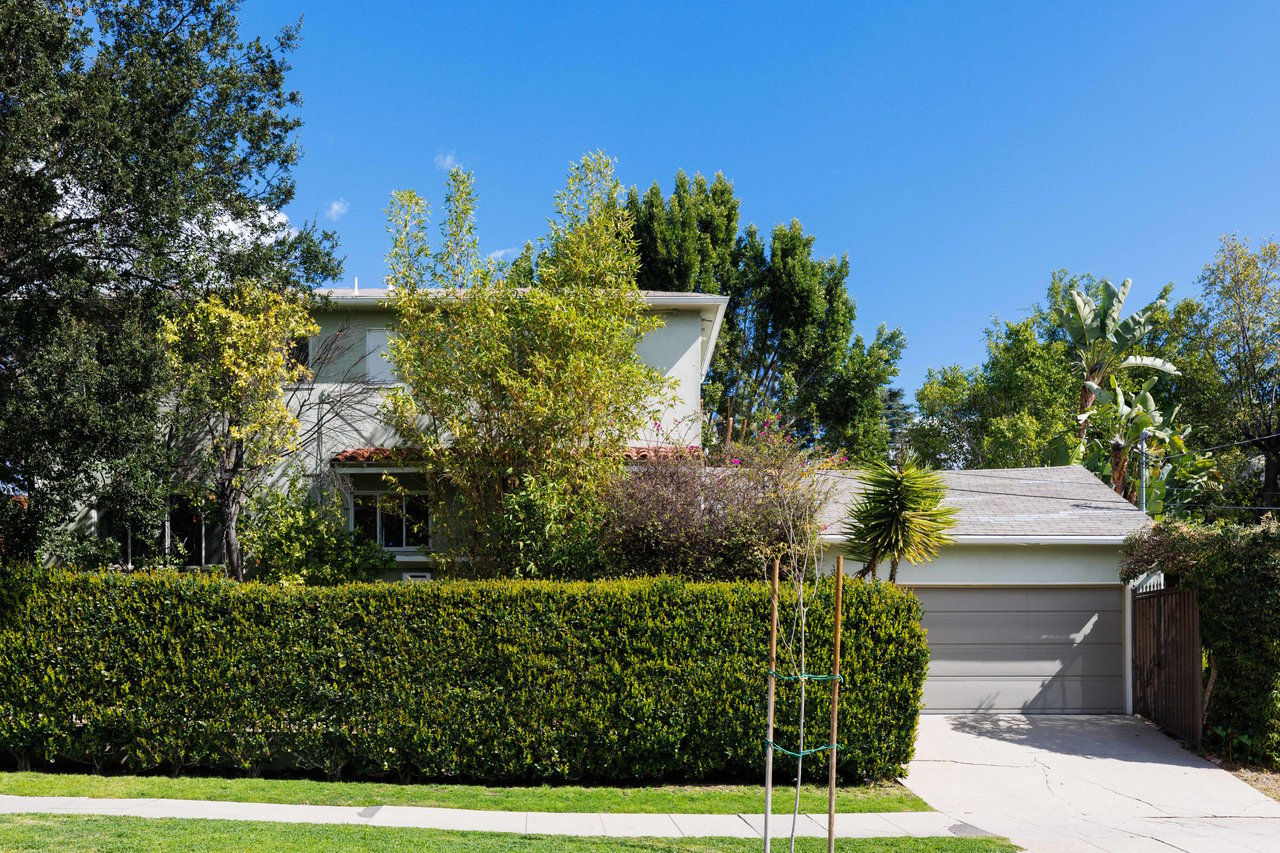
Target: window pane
{"type": "Point", "coordinates": [377, 367]}
{"type": "Point", "coordinates": [364, 515]}
{"type": "Point", "coordinates": [300, 352]}
{"type": "Point", "coordinates": [392, 521]}
{"type": "Point", "coordinates": [415, 520]}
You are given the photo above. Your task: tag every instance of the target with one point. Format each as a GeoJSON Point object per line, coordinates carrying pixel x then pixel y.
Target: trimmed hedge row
{"type": "Point", "coordinates": [509, 681]}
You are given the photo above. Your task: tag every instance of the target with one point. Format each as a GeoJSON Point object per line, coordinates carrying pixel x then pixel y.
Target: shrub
{"type": "Point", "coordinates": [717, 521]}
{"type": "Point", "coordinates": [292, 536]}
{"type": "Point", "coordinates": [676, 516]}
{"type": "Point", "coordinates": [547, 531]}
{"type": "Point", "coordinates": [1235, 571]}
{"type": "Point", "coordinates": [495, 681]}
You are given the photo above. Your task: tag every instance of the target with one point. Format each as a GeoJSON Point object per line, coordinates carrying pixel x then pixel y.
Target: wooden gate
{"type": "Point", "coordinates": [1167, 665]}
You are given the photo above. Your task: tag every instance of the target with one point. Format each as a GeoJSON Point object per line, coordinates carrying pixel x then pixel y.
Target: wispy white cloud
{"type": "Point", "coordinates": [446, 162]}
{"type": "Point", "coordinates": [503, 254]}
{"type": "Point", "coordinates": [337, 209]}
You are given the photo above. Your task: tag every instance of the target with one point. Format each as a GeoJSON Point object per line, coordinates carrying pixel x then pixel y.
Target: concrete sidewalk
{"type": "Point", "coordinates": [869, 825]}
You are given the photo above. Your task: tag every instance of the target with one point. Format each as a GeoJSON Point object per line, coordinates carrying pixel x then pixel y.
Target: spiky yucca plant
{"type": "Point", "coordinates": [898, 517]}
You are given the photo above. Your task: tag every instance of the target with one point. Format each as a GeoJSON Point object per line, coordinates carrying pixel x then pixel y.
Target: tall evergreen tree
{"type": "Point", "coordinates": [145, 156]}
{"type": "Point", "coordinates": [788, 349]}
{"type": "Point", "coordinates": [686, 242]}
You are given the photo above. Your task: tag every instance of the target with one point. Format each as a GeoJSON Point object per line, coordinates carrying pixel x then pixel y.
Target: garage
{"type": "Point", "coordinates": [1024, 649]}
{"type": "Point", "coordinates": [1024, 612]}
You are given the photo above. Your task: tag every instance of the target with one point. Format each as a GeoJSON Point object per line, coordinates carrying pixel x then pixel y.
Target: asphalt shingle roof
{"type": "Point", "coordinates": [1017, 502]}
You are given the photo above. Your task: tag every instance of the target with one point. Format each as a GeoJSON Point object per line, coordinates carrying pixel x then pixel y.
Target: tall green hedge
{"type": "Point", "coordinates": [621, 681]}
{"type": "Point", "coordinates": [1235, 571]}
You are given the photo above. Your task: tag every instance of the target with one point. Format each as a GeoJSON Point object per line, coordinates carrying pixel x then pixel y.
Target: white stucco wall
{"type": "Point", "coordinates": [676, 349]}
{"type": "Point", "coordinates": [991, 564]}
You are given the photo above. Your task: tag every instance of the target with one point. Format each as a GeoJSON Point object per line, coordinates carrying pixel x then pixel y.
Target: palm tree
{"type": "Point", "coordinates": [898, 517]}
{"type": "Point", "coordinates": [1100, 340]}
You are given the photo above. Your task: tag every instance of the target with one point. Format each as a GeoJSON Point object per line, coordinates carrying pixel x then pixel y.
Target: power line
{"type": "Point", "coordinates": [1211, 506]}
{"type": "Point", "coordinates": [1221, 446]}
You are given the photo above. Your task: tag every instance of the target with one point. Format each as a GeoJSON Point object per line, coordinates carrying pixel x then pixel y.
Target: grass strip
{"type": "Point", "coordinates": [81, 834]}
{"type": "Point", "coordinates": [666, 799]}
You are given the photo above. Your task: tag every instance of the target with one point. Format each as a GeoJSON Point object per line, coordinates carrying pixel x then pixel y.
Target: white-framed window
{"type": "Point", "coordinates": [392, 520]}
{"type": "Point", "coordinates": [377, 364]}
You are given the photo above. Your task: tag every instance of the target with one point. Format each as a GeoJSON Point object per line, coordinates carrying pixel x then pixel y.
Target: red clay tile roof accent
{"type": "Point", "coordinates": [377, 454]}
{"type": "Point", "coordinates": [645, 452]}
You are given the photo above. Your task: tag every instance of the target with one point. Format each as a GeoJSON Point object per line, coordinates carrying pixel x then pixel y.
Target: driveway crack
{"type": "Point", "coordinates": [1163, 812]}
{"type": "Point", "coordinates": [1139, 834]}
{"type": "Point", "coordinates": [963, 763]}
{"type": "Point", "coordinates": [1044, 772]}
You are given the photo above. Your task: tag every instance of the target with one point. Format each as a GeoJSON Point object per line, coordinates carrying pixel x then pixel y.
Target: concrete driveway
{"type": "Point", "coordinates": [1085, 783]}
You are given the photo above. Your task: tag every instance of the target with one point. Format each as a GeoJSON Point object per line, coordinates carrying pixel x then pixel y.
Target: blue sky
{"type": "Point", "coordinates": [957, 153]}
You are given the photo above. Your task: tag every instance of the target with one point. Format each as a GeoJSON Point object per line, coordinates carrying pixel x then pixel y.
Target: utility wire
{"type": "Point", "coordinates": [1222, 446]}
{"type": "Point", "coordinates": [1210, 506]}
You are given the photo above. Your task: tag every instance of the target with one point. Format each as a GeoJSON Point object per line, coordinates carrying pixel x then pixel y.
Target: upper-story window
{"type": "Point", "coordinates": [299, 352]}
{"type": "Point", "coordinates": [377, 364]}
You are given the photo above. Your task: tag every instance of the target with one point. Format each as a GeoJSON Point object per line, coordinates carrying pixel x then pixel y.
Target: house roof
{"type": "Point", "coordinates": [374, 297]}
{"type": "Point", "coordinates": [1016, 505]}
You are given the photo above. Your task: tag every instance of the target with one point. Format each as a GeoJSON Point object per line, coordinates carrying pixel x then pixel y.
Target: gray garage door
{"type": "Point", "coordinates": [1024, 649]}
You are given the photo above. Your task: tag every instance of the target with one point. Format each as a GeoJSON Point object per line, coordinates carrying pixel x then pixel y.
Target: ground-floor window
{"type": "Point", "coordinates": [391, 520]}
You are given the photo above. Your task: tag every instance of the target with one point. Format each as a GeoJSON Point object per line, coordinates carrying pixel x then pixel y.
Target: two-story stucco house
{"type": "Point", "coordinates": [346, 436]}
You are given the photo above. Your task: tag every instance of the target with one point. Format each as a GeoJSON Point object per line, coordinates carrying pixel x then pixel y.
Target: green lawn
{"type": "Point", "coordinates": [76, 834]}
{"type": "Point", "coordinates": [675, 799]}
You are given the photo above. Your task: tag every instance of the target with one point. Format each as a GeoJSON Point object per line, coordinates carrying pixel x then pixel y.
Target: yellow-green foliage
{"type": "Point", "coordinates": [621, 681]}
{"type": "Point", "coordinates": [230, 354]}
{"type": "Point", "coordinates": [513, 379]}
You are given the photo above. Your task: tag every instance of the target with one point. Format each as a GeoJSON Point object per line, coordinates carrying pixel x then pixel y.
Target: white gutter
{"type": "Point", "coordinates": [677, 299]}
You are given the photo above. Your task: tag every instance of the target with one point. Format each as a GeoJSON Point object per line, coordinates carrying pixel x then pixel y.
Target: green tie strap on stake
{"type": "Point", "coordinates": [806, 676]}
{"type": "Point", "coordinates": [802, 753]}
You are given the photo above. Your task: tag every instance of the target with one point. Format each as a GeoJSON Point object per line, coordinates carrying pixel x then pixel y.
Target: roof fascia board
{"type": "Point", "coordinates": [1015, 540]}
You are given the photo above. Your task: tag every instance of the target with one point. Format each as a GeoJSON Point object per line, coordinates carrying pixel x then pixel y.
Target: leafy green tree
{"type": "Point", "coordinates": [1120, 423]}
{"type": "Point", "coordinates": [231, 356]}
{"type": "Point", "coordinates": [1241, 289]}
{"type": "Point", "coordinates": [688, 241]}
{"type": "Point", "coordinates": [1004, 414]}
{"type": "Point", "coordinates": [899, 516]}
{"type": "Point", "coordinates": [788, 348]}
{"type": "Point", "coordinates": [508, 389]}
{"type": "Point", "coordinates": [1101, 342]}
{"type": "Point", "coordinates": [146, 150]}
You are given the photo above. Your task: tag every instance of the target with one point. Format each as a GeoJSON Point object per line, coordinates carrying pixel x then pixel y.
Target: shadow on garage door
{"type": "Point", "coordinates": [1024, 649]}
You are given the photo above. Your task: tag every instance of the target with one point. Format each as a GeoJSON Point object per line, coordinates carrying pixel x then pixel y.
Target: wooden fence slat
{"type": "Point", "coordinates": [1167, 677]}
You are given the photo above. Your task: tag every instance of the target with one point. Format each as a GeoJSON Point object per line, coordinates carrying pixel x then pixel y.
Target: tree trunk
{"type": "Point", "coordinates": [230, 542]}
{"type": "Point", "coordinates": [1119, 465]}
{"type": "Point", "coordinates": [1087, 399]}
{"type": "Point", "coordinates": [1271, 478]}
{"type": "Point", "coordinates": [893, 570]}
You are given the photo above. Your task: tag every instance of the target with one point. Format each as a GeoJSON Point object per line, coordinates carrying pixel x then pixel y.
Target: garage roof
{"type": "Point", "coordinates": [1017, 505]}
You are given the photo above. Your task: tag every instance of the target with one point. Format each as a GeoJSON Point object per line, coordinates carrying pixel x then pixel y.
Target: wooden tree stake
{"type": "Point", "coordinates": [773, 667]}
{"type": "Point", "coordinates": [835, 707]}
